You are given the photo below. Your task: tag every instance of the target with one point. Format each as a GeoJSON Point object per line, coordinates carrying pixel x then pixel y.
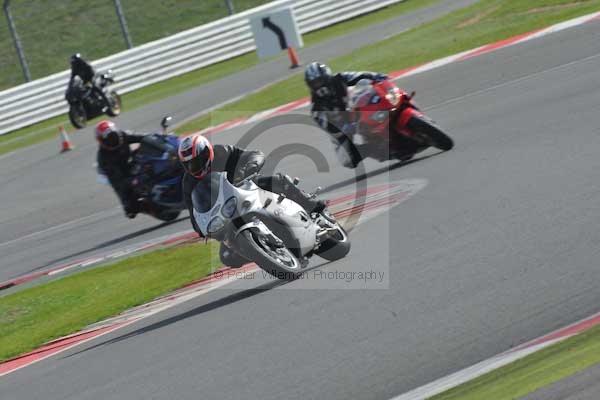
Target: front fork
{"type": "Point", "coordinates": [406, 114]}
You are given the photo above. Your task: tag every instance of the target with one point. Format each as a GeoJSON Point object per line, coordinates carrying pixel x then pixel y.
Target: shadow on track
{"type": "Point", "coordinates": [213, 305]}
{"type": "Point", "coordinates": [379, 171]}
{"type": "Point", "coordinates": [225, 301]}
{"type": "Point", "coordinates": [248, 293]}
{"type": "Point", "coordinates": [111, 242]}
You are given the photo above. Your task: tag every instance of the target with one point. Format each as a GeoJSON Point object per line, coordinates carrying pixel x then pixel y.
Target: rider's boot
{"type": "Point", "coordinates": [131, 208]}
{"type": "Point", "coordinates": [312, 205]}
{"type": "Point", "coordinates": [280, 183]}
{"type": "Point", "coordinates": [294, 193]}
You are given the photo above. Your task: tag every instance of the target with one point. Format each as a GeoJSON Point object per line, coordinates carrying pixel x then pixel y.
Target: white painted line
{"type": "Point", "coordinates": [65, 268]}
{"type": "Point", "coordinates": [465, 375]}
{"type": "Point", "coordinates": [61, 226]}
{"type": "Point", "coordinates": [458, 378]}
{"type": "Point", "coordinates": [564, 25]}
{"type": "Point", "coordinates": [512, 82]}
{"type": "Point", "coordinates": [260, 116]}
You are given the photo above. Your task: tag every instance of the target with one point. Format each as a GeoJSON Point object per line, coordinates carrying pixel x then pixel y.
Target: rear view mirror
{"type": "Point", "coordinates": [165, 123]}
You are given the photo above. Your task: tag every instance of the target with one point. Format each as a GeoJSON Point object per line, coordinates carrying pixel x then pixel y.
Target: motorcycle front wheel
{"type": "Point", "coordinates": [337, 245]}
{"type": "Point", "coordinates": [77, 115]}
{"type": "Point", "coordinates": [277, 260]}
{"type": "Point", "coordinates": [432, 135]}
{"type": "Point", "coordinates": [113, 100]}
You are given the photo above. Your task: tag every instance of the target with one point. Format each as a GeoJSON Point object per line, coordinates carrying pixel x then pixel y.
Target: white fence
{"type": "Point", "coordinates": [162, 59]}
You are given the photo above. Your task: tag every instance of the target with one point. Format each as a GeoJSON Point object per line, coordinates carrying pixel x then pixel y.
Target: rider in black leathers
{"type": "Point", "coordinates": [199, 157]}
{"type": "Point", "coordinates": [329, 97]}
{"type": "Point", "coordinates": [115, 161]}
{"type": "Point", "coordinates": [82, 69]}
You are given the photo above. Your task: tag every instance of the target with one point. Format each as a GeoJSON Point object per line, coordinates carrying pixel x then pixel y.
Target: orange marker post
{"type": "Point", "coordinates": [294, 59]}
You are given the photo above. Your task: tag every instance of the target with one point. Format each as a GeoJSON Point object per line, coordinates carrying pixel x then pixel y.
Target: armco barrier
{"type": "Point", "coordinates": [171, 56]}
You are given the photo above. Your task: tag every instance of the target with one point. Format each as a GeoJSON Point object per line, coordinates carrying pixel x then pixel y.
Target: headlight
{"type": "Point", "coordinates": [216, 224]}
{"type": "Point", "coordinates": [393, 96]}
{"type": "Point", "coordinates": [229, 207]}
{"type": "Point", "coordinates": [380, 116]}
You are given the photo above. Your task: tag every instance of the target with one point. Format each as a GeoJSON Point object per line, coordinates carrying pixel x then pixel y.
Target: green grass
{"type": "Point", "coordinates": [34, 134]}
{"type": "Point", "coordinates": [485, 22]}
{"type": "Point", "coordinates": [363, 21]}
{"type": "Point", "coordinates": [36, 315]}
{"type": "Point", "coordinates": [47, 129]}
{"type": "Point", "coordinates": [50, 30]}
{"type": "Point", "coordinates": [533, 372]}
{"type": "Point", "coordinates": [202, 76]}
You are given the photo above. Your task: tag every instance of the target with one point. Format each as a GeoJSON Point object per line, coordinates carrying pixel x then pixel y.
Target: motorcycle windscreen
{"type": "Point", "coordinates": [150, 147]}
{"type": "Point", "coordinates": [360, 96]}
{"type": "Point", "coordinates": [206, 193]}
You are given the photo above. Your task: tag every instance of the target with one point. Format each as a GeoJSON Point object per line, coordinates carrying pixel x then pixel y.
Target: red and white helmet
{"type": "Point", "coordinates": [196, 154]}
{"type": "Point", "coordinates": [108, 135]}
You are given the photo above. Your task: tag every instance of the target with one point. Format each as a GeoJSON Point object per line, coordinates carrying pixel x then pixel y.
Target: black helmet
{"type": "Point", "coordinates": [317, 76]}
{"type": "Point", "coordinates": [75, 58]}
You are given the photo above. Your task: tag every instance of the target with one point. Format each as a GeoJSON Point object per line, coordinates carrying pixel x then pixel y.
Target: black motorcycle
{"type": "Point", "coordinates": [87, 102]}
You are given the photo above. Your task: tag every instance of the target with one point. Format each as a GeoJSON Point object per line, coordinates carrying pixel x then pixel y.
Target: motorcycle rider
{"type": "Point", "coordinates": [199, 157]}
{"type": "Point", "coordinates": [329, 97]}
{"type": "Point", "coordinates": [82, 69]}
{"type": "Point", "coordinates": [114, 160]}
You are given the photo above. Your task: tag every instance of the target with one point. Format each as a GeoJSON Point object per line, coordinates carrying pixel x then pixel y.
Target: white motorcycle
{"type": "Point", "coordinates": [267, 228]}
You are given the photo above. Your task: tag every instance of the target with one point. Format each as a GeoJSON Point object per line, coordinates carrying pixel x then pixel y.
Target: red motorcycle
{"type": "Point", "coordinates": [391, 124]}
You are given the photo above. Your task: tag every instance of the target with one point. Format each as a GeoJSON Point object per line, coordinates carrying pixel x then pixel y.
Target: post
{"type": "Point", "coordinates": [230, 8]}
{"type": "Point", "coordinates": [123, 23]}
{"type": "Point", "coordinates": [16, 41]}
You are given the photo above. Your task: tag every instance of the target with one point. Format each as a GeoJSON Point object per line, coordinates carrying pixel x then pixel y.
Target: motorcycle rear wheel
{"type": "Point", "coordinates": [430, 133]}
{"type": "Point", "coordinates": [278, 262]}
{"type": "Point", "coordinates": [77, 115]}
{"type": "Point", "coordinates": [167, 215]}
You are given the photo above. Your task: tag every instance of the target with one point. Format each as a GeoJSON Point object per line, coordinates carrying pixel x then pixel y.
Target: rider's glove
{"type": "Point", "coordinates": [349, 128]}
{"type": "Point", "coordinates": [250, 168]}
{"type": "Point", "coordinates": [322, 120]}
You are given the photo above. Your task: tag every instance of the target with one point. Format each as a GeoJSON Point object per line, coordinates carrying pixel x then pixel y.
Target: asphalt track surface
{"type": "Point", "coordinates": [55, 212]}
{"type": "Point", "coordinates": [499, 248]}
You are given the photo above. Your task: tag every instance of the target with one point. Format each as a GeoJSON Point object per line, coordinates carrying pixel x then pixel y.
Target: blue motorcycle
{"type": "Point", "coordinates": [157, 175]}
